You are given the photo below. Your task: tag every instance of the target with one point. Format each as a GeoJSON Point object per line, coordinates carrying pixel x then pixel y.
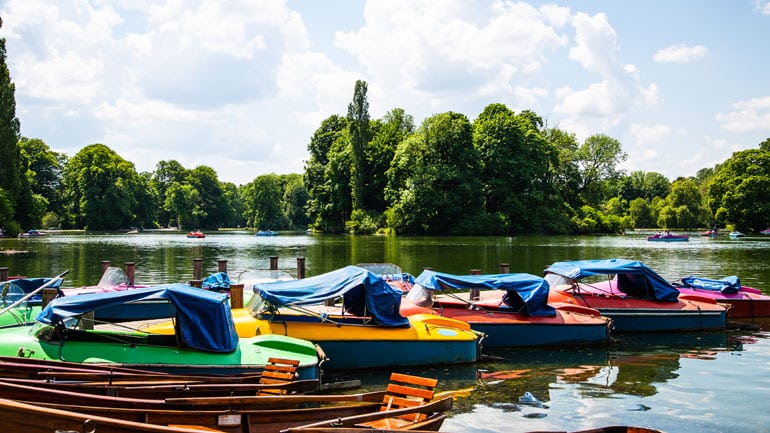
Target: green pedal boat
{"type": "Point", "coordinates": [204, 341]}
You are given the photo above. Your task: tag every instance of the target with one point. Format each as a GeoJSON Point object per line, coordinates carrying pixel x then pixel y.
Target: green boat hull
{"type": "Point", "coordinates": [154, 352]}
{"type": "Point", "coordinates": [21, 316]}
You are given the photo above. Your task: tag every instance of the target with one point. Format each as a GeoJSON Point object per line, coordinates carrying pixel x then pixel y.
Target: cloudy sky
{"type": "Point", "coordinates": [241, 85]}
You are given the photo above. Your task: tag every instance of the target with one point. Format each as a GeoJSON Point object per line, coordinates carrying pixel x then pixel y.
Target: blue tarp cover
{"type": "Point", "coordinates": [203, 318]}
{"type": "Point", "coordinates": [28, 285]}
{"type": "Point", "coordinates": [363, 293]}
{"type": "Point", "coordinates": [633, 277]}
{"type": "Point", "coordinates": [525, 292]}
{"type": "Point", "coordinates": [218, 282]}
{"type": "Point", "coordinates": [726, 285]}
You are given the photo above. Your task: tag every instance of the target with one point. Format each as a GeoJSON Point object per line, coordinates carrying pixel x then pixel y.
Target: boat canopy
{"type": "Point", "coordinates": [633, 277]}
{"type": "Point", "coordinates": [14, 290]}
{"type": "Point", "coordinates": [203, 318]}
{"type": "Point", "coordinates": [525, 293]}
{"type": "Point", "coordinates": [726, 285]}
{"type": "Point", "coordinates": [363, 294]}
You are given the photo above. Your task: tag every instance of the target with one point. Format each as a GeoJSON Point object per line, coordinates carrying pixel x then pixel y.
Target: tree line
{"type": "Point", "coordinates": [502, 173]}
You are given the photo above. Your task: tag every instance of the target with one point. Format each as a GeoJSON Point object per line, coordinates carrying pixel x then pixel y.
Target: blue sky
{"type": "Point", "coordinates": [241, 85]}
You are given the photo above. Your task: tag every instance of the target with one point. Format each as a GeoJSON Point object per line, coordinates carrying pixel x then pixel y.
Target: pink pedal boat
{"type": "Point", "coordinates": [745, 302]}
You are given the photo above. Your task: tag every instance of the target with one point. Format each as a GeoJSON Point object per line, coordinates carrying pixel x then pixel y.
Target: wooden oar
{"type": "Point", "coordinates": [34, 292]}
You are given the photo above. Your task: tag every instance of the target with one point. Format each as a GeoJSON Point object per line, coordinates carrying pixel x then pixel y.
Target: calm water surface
{"type": "Point", "coordinates": [701, 382]}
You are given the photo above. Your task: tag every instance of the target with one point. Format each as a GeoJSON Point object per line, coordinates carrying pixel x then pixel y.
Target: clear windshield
{"type": "Point", "coordinates": [251, 277]}
{"type": "Point", "coordinates": [12, 294]}
{"type": "Point", "coordinates": [388, 271]}
{"type": "Point", "coordinates": [255, 305]}
{"type": "Point", "coordinates": [113, 277]}
{"type": "Point", "coordinates": [421, 296]}
{"type": "Point", "coordinates": [557, 281]}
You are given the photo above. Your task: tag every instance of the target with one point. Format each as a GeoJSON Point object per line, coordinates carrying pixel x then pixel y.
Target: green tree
{"type": "Point", "coordinates": [765, 145]}
{"type": "Point", "coordinates": [165, 174]}
{"type": "Point", "coordinates": [564, 171]}
{"type": "Point", "coordinates": [10, 173]}
{"type": "Point", "coordinates": [211, 209]}
{"type": "Point", "coordinates": [7, 224]}
{"type": "Point", "coordinates": [358, 124]}
{"type": "Point", "coordinates": [641, 213]}
{"type": "Point", "coordinates": [597, 158]}
{"type": "Point", "coordinates": [516, 158]}
{"type": "Point", "coordinates": [181, 203]}
{"type": "Point", "coordinates": [101, 189]}
{"type": "Point", "coordinates": [262, 199]}
{"type": "Point", "coordinates": [295, 199]}
{"type": "Point", "coordinates": [148, 203]}
{"type": "Point", "coordinates": [234, 208]}
{"type": "Point", "coordinates": [739, 193]}
{"type": "Point", "coordinates": [395, 126]}
{"type": "Point", "coordinates": [336, 211]}
{"type": "Point", "coordinates": [434, 181]}
{"type": "Point", "coordinates": [43, 169]}
{"type": "Point", "coordinates": [321, 189]}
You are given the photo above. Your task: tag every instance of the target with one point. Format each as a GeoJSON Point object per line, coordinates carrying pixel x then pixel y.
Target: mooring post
{"type": "Point", "coordinates": [222, 265]}
{"type": "Point", "coordinates": [236, 295]}
{"type": "Point", "coordinates": [197, 273]}
{"type": "Point", "coordinates": [105, 264]}
{"type": "Point", "coordinates": [505, 268]}
{"type": "Point", "coordinates": [49, 293]}
{"type": "Point", "coordinates": [130, 273]}
{"type": "Point", "coordinates": [300, 268]}
{"type": "Point", "coordinates": [273, 263]}
{"type": "Point", "coordinates": [475, 294]}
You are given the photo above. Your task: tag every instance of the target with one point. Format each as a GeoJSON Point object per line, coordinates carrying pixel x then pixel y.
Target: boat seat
{"type": "Point", "coordinates": [278, 371]}
{"type": "Point", "coordinates": [404, 391]}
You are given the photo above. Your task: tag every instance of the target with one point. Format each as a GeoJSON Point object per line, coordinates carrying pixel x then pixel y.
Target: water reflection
{"type": "Point", "coordinates": [710, 382]}
{"type": "Point", "coordinates": [574, 388]}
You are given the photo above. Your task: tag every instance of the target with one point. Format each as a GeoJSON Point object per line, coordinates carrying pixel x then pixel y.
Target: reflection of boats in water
{"type": "Point", "coordinates": [632, 366]}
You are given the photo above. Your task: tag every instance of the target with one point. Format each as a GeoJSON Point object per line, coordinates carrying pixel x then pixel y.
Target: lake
{"type": "Point", "coordinates": [690, 382]}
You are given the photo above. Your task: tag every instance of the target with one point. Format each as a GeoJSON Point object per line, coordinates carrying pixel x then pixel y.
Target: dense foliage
{"type": "Point", "coordinates": [502, 173]}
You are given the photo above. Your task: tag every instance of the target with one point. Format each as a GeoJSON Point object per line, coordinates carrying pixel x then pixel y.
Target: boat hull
{"type": "Point", "coordinates": [156, 353]}
{"type": "Point", "coordinates": [668, 239]}
{"type": "Point", "coordinates": [506, 330]}
{"type": "Point", "coordinates": [639, 315]}
{"type": "Point", "coordinates": [745, 304]}
{"type": "Point", "coordinates": [428, 340]}
{"type": "Point", "coordinates": [659, 320]}
{"type": "Point", "coordinates": [349, 344]}
{"type": "Point", "coordinates": [19, 316]}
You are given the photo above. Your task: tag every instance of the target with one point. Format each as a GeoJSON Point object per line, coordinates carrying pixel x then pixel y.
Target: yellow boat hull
{"type": "Point", "coordinates": [350, 343]}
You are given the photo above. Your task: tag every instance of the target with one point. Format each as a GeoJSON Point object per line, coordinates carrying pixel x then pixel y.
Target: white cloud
{"type": "Point", "coordinates": [595, 43]}
{"type": "Point", "coordinates": [444, 53]}
{"type": "Point", "coordinates": [680, 54]}
{"type": "Point", "coordinates": [763, 6]}
{"type": "Point", "coordinates": [747, 116]}
{"type": "Point", "coordinates": [650, 134]}
{"type": "Point", "coordinates": [605, 103]}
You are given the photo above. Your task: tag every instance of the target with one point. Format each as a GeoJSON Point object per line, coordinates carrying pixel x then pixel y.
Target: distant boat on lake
{"type": "Point", "coordinates": [668, 237]}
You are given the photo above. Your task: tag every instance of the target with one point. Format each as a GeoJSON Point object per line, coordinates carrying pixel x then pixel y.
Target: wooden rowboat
{"type": "Point", "coordinates": [29, 418]}
{"type": "Point", "coordinates": [54, 396]}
